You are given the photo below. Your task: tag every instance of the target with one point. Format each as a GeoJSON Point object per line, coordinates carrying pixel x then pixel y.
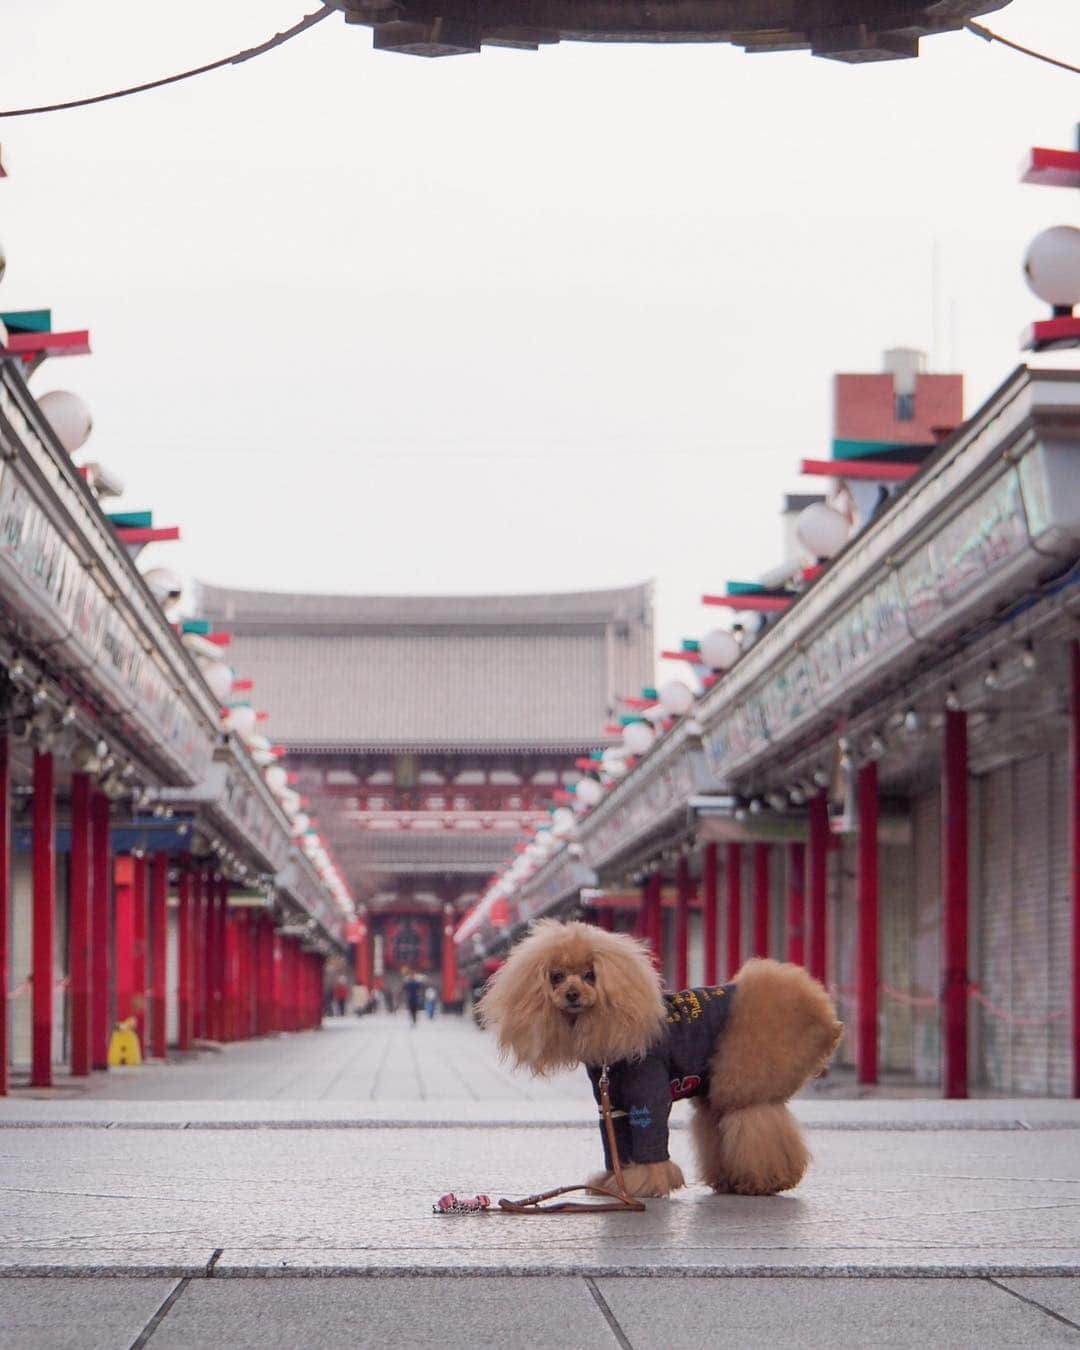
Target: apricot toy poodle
{"type": "Point", "coordinates": [571, 993]}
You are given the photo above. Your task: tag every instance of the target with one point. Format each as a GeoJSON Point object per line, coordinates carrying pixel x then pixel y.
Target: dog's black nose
{"type": "Point", "coordinates": [572, 995]}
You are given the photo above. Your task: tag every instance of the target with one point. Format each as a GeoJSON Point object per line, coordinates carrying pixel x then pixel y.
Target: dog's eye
{"type": "Point", "coordinates": [557, 977]}
{"type": "Point", "coordinates": [590, 977]}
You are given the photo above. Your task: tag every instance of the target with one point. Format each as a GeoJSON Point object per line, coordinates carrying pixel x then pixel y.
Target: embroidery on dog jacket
{"type": "Point", "coordinates": [676, 1066]}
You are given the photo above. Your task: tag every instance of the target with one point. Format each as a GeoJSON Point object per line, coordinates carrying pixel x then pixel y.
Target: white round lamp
{"type": "Point", "coordinates": [1052, 266]}
{"type": "Point", "coordinates": [822, 530]}
{"type": "Point", "coordinates": [719, 650]}
{"type": "Point", "coordinates": [638, 737]}
{"type": "Point", "coordinates": [589, 791]}
{"type": "Point", "coordinates": [68, 416]}
{"type": "Point", "coordinates": [676, 698]}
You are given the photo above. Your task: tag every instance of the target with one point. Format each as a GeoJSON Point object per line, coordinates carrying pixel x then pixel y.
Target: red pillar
{"type": "Point", "coordinates": [140, 948]}
{"type": "Point", "coordinates": [362, 960]}
{"type": "Point", "coordinates": [221, 954]}
{"type": "Point", "coordinates": [125, 937]}
{"type": "Point", "coordinates": [866, 1048]}
{"type": "Point", "coordinates": [733, 878]}
{"type": "Point", "coordinates": [199, 893]}
{"type": "Point", "coordinates": [279, 983]}
{"type": "Point", "coordinates": [818, 870]}
{"type": "Point", "coordinates": [655, 914]}
{"type": "Point", "coordinates": [44, 903]}
{"type": "Point", "coordinates": [682, 923]}
{"type": "Point", "coordinates": [159, 933]}
{"type": "Point", "coordinates": [709, 876]}
{"type": "Point", "coordinates": [761, 900]}
{"type": "Point", "coordinates": [954, 892]}
{"type": "Point", "coordinates": [266, 975]}
{"type": "Point", "coordinates": [230, 976]}
{"type": "Point", "coordinates": [796, 903]}
{"type": "Point", "coordinates": [449, 954]}
{"type": "Point", "coordinates": [184, 961]}
{"type": "Point", "coordinates": [1074, 808]}
{"type": "Point", "coordinates": [213, 964]}
{"type": "Point", "coordinates": [5, 899]}
{"type": "Point", "coordinates": [101, 873]}
{"type": "Point", "coordinates": [79, 923]}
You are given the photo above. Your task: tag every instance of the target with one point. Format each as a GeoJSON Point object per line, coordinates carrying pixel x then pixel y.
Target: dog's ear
{"type": "Point", "coordinates": [629, 987]}
{"type": "Point", "coordinates": [515, 1003]}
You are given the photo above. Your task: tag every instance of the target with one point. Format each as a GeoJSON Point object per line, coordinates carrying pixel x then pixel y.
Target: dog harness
{"type": "Point", "coordinates": [676, 1066]}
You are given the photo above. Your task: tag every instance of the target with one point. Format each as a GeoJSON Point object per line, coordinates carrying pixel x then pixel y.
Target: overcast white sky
{"type": "Point", "coordinates": [517, 321]}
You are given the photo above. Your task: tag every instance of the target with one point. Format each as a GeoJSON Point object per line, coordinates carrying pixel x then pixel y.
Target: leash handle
{"type": "Point", "coordinates": [620, 1198]}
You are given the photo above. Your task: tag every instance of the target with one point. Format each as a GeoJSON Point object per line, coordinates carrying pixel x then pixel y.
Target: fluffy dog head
{"type": "Point", "coordinates": [573, 994]}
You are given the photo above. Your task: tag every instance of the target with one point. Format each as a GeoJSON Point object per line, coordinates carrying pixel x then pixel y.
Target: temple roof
{"type": "Point", "coordinates": [438, 672]}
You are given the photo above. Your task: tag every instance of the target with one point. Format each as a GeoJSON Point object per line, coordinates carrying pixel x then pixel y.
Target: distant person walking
{"type": "Point", "coordinates": [413, 989]}
{"type": "Point", "coordinates": [430, 999]}
{"type": "Point", "coordinates": [341, 995]}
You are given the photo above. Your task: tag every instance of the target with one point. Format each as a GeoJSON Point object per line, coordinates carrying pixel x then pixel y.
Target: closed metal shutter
{"type": "Point", "coordinates": [696, 945]}
{"type": "Point", "coordinates": [926, 936]}
{"type": "Point", "coordinates": [896, 922]}
{"type": "Point", "coordinates": [172, 977]}
{"type": "Point", "coordinates": [778, 893]}
{"type": "Point", "coordinates": [843, 930]}
{"type": "Point", "coordinates": [1023, 907]}
{"type": "Point", "coordinates": [19, 1010]}
{"type": "Point", "coordinates": [1059, 984]}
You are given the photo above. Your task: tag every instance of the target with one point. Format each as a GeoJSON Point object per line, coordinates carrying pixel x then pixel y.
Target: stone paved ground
{"type": "Point", "coordinates": [137, 1209]}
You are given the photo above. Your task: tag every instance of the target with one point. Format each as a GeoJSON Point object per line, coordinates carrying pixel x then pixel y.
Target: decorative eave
{"type": "Point", "coordinates": [843, 30]}
{"type": "Point", "coordinates": [656, 789]}
{"type": "Point", "coordinates": [66, 573]}
{"type": "Point", "coordinates": [980, 522]}
{"type": "Point", "coordinates": [337, 749]}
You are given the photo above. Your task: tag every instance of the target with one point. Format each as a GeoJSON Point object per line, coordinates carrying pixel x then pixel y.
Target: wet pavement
{"type": "Point", "coordinates": [137, 1207]}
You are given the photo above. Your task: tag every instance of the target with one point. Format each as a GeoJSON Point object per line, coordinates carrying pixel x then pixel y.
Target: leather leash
{"type": "Point", "coordinates": [618, 1199]}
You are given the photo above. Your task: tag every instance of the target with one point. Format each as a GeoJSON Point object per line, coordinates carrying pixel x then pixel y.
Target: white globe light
{"type": "Point", "coordinates": [655, 714]}
{"type": "Point", "coordinates": [821, 530]}
{"type": "Point", "coordinates": [68, 416]}
{"type": "Point", "coordinates": [1052, 266]}
{"type": "Point", "coordinates": [300, 823]}
{"type": "Point", "coordinates": [562, 822]}
{"type": "Point", "coordinates": [719, 650]}
{"type": "Point", "coordinates": [220, 679]}
{"type": "Point", "coordinates": [589, 791]}
{"type": "Point", "coordinates": [241, 720]}
{"type": "Point", "coordinates": [637, 737]}
{"type": "Point", "coordinates": [676, 698]}
{"type": "Point", "coordinates": [165, 585]}
{"type": "Point", "coordinates": [290, 801]}
{"type": "Point", "coordinates": [276, 778]}
{"type": "Point", "coordinates": [615, 768]}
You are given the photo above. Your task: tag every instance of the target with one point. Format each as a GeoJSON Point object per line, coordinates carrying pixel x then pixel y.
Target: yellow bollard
{"type": "Point", "coordinates": [124, 1044]}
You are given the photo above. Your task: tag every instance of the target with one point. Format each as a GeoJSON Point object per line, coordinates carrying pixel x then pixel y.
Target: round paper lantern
{"type": "Point", "coordinates": [241, 720]}
{"type": "Point", "coordinates": [821, 530]}
{"type": "Point", "coordinates": [676, 698]}
{"type": "Point", "coordinates": [166, 586]}
{"type": "Point", "coordinates": [1052, 266]}
{"type": "Point", "coordinates": [68, 416]}
{"type": "Point", "coordinates": [276, 778]}
{"type": "Point", "coordinates": [719, 650]}
{"type": "Point", "coordinates": [562, 822]}
{"type": "Point", "coordinates": [219, 677]}
{"type": "Point", "coordinates": [637, 737]}
{"type": "Point", "coordinates": [589, 791]}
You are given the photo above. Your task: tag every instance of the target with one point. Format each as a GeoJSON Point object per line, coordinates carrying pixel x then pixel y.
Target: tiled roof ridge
{"type": "Point", "coordinates": [234, 605]}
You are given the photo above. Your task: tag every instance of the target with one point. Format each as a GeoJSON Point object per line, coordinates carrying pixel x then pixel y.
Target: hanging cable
{"type": "Point", "coordinates": [308, 21]}
{"type": "Point", "coordinates": [988, 36]}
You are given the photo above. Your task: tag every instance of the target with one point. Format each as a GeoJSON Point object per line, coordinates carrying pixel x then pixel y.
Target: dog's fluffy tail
{"type": "Point", "coordinates": [757, 1150]}
{"type": "Point", "coordinates": [781, 1031]}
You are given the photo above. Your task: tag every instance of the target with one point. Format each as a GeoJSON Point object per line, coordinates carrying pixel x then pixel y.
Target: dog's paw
{"type": "Point", "coordinates": [654, 1180]}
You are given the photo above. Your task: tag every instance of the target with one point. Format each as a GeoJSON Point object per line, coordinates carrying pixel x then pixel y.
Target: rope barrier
{"type": "Point", "coordinates": [850, 998]}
